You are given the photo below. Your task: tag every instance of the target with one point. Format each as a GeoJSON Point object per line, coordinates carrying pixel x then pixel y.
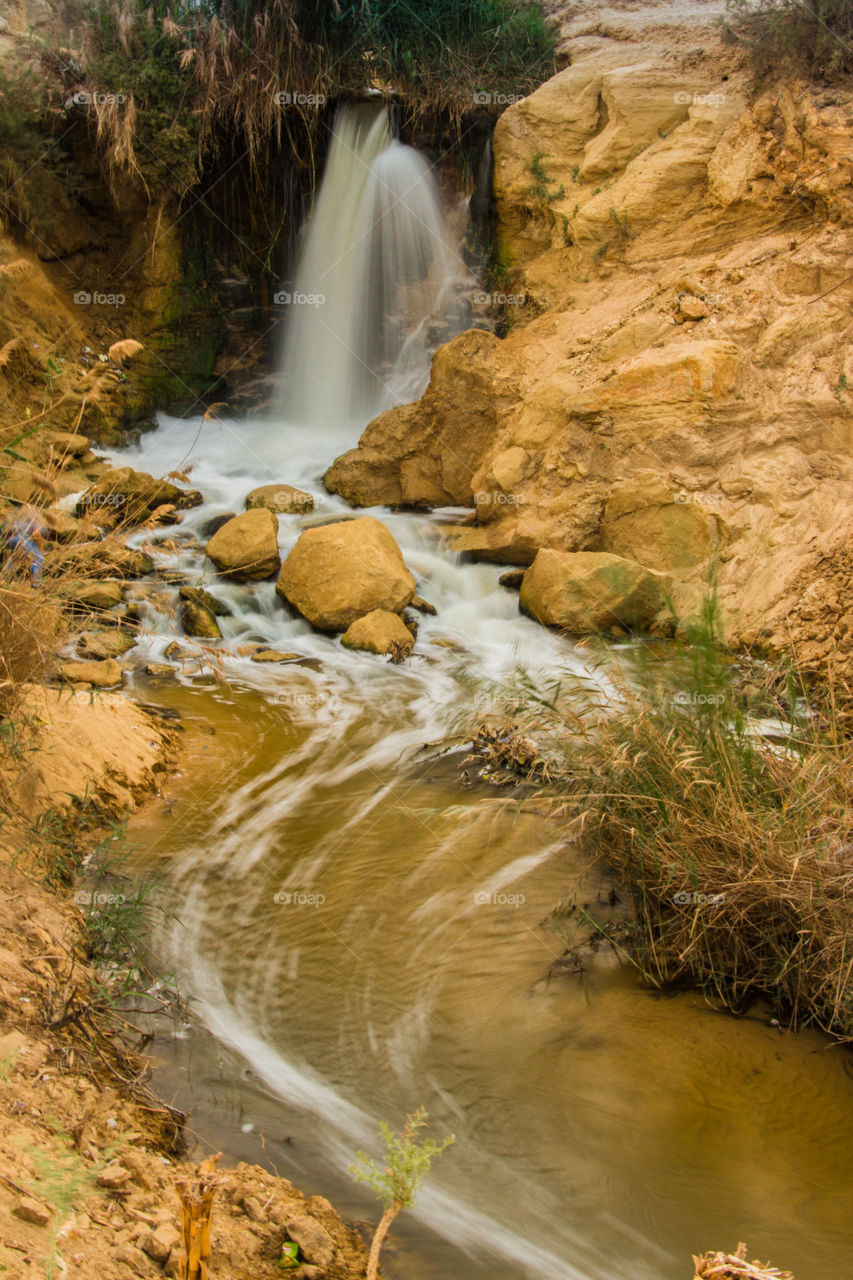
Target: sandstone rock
{"type": "Point", "coordinates": [160, 1242]}
{"type": "Point", "coordinates": [692, 308]}
{"type": "Point", "coordinates": [509, 542]}
{"type": "Point", "coordinates": [93, 595]}
{"type": "Point", "coordinates": [198, 620]}
{"type": "Point", "coordinates": [647, 519]}
{"type": "Point", "coordinates": [113, 1177]}
{"type": "Point", "coordinates": [174, 650]}
{"type": "Point", "coordinates": [122, 494]}
{"type": "Point", "coordinates": [315, 1243]}
{"type": "Point", "coordinates": [29, 1210]}
{"type": "Point", "coordinates": [283, 499]}
{"type": "Point", "coordinates": [272, 655]}
{"type": "Point", "coordinates": [379, 632]}
{"type": "Point", "coordinates": [103, 675]}
{"type": "Point", "coordinates": [425, 454]}
{"type": "Point", "coordinates": [215, 523]}
{"type": "Point", "coordinates": [337, 573]}
{"type": "Point", "coordinates": [246, 548]}
{"type": "Point", "coordinates": [159, 669]}
{"type": "Point", "coordinates": [104, 644]}
{"type": "Point", "coordinates": [512, 579]}
{"type": "Point", "coordinates": [423, 606]}
{"type": "Point", "coordinates": [689, 372]}
{"type": "Point", "coordinates": [591, 591]}
{"type": "Point", "coordinates": [199, 596]}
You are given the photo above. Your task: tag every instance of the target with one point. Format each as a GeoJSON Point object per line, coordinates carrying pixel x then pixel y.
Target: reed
{"type": "Point", "coordinates": [732, 835]}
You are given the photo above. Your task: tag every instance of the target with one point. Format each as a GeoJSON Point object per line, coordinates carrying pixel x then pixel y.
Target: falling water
{"type": "Point", "coordinates": [373, 285]}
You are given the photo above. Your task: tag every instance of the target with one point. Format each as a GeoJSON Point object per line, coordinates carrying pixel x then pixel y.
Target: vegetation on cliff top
{"type": "Point", "coordinates": [813, 38]}
{"type": "Point", "coordinates": [172, 83]}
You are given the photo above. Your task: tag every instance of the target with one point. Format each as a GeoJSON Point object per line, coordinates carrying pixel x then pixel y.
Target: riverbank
{"type": "Point", "coordinates": [90, 1159]}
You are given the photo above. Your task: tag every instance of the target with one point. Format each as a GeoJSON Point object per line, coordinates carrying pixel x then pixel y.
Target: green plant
{"type": "Point", "coordinates": [397, 1179]}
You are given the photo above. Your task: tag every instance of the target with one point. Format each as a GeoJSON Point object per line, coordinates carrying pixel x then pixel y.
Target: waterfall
{"type": "Point", "coordinates": [374, 280]}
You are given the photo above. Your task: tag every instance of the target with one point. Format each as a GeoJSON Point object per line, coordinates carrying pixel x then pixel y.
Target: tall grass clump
{"type": "Point", "coordinates": [814, 38]}
{"type": "Point", "coordinates": [729, 822]}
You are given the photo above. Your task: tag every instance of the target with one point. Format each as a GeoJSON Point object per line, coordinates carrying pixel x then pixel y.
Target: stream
{"type": "Point", "coordinates": [360, 929]}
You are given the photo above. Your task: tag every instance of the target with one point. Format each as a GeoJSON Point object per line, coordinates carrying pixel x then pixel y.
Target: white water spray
{"type": "Point", "coordinates": [376, 275]}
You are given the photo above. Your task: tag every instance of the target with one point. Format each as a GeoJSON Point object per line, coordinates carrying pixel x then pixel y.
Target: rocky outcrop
{"type": "Point", "coordinates": [675, 385]}
{"type": "Point", "coordinates": [245, 549]}
{"type": "Point", "coordinates": [590, 591]}
{"type": "Point", "coordinates": [283, 499]}
{"type": "Point", "coordinates": [425, 454]}
{"type": "Point", "coordinates": [379, 632]}
{"type": "Point", "coordinates": [339, 572]}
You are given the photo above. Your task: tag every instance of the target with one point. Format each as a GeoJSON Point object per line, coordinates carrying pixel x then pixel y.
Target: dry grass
{"type": "Point", "coordinates": [736, 847]}
{"type": "Point", "coordinates": [734, 1266]}
{"type": "Point", "coordinates": [31, 627]}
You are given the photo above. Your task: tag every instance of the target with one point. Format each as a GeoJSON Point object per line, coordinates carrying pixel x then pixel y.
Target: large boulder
{"type": "Point", "coordinates": [425, 454]}
{"type": "Point", "coordinates": [339, 572]}
{"type": "Point", "coordinates": [246, 548]}
{"type": "Point", "coordinates": [585, 591]}
{"type": "Point", "coordinates": [283, 499]}
{"type": "Point", "coordinates": [379, 632]}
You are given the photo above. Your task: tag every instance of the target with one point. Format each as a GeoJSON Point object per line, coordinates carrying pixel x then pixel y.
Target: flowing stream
{"type": "Point", "coordinates": [361, 931]}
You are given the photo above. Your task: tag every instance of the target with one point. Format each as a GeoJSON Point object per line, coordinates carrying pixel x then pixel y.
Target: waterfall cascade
{"type": "Point", "coordinates": [375, 281]}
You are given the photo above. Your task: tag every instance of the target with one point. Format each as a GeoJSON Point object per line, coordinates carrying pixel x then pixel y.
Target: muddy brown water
{"type": "Point", "coordinates": [361, 934]}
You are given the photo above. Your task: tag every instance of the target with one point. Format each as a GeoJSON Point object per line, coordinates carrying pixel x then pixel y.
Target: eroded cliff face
{"type": "Point", "coordinates": [677, 386]}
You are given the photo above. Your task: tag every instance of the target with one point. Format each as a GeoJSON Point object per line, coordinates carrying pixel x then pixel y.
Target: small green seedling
{"type": "Point", "coordinates": [397, 1181]}
{"type": "Point", "coordinates": [289, 1258]}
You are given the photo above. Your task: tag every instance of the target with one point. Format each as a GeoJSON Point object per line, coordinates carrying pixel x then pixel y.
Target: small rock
{"type": "Point", "coordinates": [29, 1210]}
{"type": "Point", "coordinates": [272, 655]}
{"type": "Point", "coordinates": [103, 675]}
{"type": "Point", "coordinates": [174, 650]}
{"type": "Point", "coordinates": [315, 1242]}
{"type": "Point", "coordinates": [215, 523]}
{"type": "Point", "coordinates": [210, 602]}
{"type": "Point", "coordinates": [197, 620]}
{"type": "Point", "coordinates": [512, 579]}
{"type": "Point", "coordinates": [129, 1256]}
{"type": "Point", "coordinates": [159, 669]}
{"type": "Point", "coordinates": [307, 1273]}
{"type": "Point", "coordinates": [246, 548]}
{"type": "Point", "coordinates": [158, 1244]}
{"type": "Point", "coordinates": [104, 644]}
{"type": "Point", "coordinates": [423, 606]}
{"type": "Point", "coordinates": [379, 632]}
{"type": "Point", "coordinates": [283, 499]}
{"type": "Point", "coordinates": [94, 595]}
{"type": "Point", "coordinates": [693, 308]}
{"type": "Point", "coordinates": [113, 1177]}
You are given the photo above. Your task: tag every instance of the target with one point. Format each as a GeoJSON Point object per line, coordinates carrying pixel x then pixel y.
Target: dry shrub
{"type": "Point", "coordinates": [31, 627]}
{"type": "Point", "coordinates": [734, 1266]}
